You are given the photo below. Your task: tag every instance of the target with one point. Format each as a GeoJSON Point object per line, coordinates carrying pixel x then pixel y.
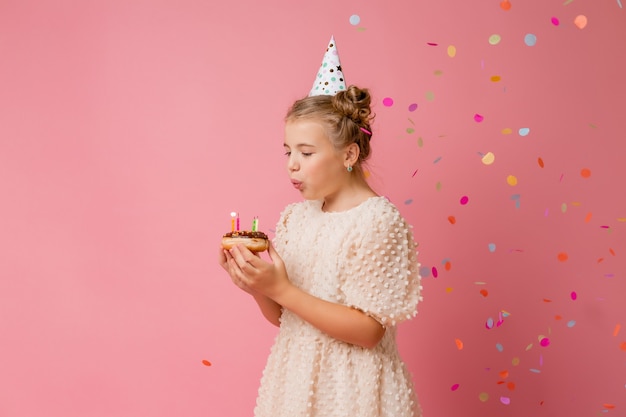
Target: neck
{"type": "Point", "coordinates": [350, 195]}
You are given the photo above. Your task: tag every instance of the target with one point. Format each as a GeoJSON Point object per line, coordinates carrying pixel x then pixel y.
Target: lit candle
{"type": "Point", "coordinates": [232, 221]}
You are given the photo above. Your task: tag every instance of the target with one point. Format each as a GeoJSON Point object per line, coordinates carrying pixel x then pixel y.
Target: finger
{"type": "Point", "coordinates": [244, 257]}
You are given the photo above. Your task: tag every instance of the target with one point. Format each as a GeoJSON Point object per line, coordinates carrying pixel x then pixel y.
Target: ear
{"type": "Point", "coordinates": [351, 154]}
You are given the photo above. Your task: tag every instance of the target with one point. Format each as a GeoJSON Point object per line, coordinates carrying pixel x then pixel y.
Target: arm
{"type": "Point", "coordinates": [270, 280]}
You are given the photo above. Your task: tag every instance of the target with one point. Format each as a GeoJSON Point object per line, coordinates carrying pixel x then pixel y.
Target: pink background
{"type": "Point", "coordinates": [129, 130]}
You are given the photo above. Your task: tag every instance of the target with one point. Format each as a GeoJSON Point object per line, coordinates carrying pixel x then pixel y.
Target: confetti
{"type": "Point", "coordinates": [511, 180]}
{"type": "Point", "coordinates": [414, 172]}
{"type": "Point", "coordinates": [611, 251]}
{"type": "Point", "coordinates": [447, 266]}
{"type": "Point", "coordinates": [495, 78]}
{"type": "Point", "coordinates": [464, 200]}
{"type": "Point", "coordinates": [483, 396]}
{"type": "Point", "coordinates": [478, 118]}
{"type": "Point", "coordinates": [437, 159]}
{"type": "Point", "coordinates": [536, 371]}
{"type": "Point", "coordinates": [540, 162]}
{"type": "Point", "coordinates": [510, 386]}
{"type": "Point", "coordinates": [616, 330]}
{"type": "Point", "coordinates": [206, 363]}
{"type": "Point", "coordinates": [585, 173]}
{"type": "Point", "coordinates": [488, 158]}
{"type": "Point", "coordinates": [571, 323]}
{"type": "Point", "coordinates": [608, 406]}
{"type": "Point", "coordinates": [515, 361]}
{"type": "Point", "coordinates": [459, 344]}
{"type": "Point", "coordinates": [451, 51]}
{"type": "Point", "coordinates": [454, 387]}
{"type": "Point", "coordinates": [573, 295]}
{"type": "Point", "coordinates": [412, 107]}
{"type": "Point", "coordinates": [505, 5]}
{"type": "Point", "coordinates": [409, 201]}
{"type": "Point", "coordinates": [562, 256]}
{"type": "Point", "coordinates": [524, 131]}
{"type": "Point", "coordinates": [434, 272]}
{"type": "Point", "coordinates": [449, 290]}
{"type": "Point", "coordinates": [505, 400]}
{"type": "Point", "coordinates": [507, 131]}
{"type": "Point", "coordinates": [622, 346]}
{"type": "Point", "coordinates": [452, 219]}
{"type": "Point", "coordinates": [555, 21]}
{"type": "Point", "coordinates": [580, 21]}
{"type": "Point", "coordinates": [489, 323]}
{"type": "Point", "coordinates": [504, 374]}
{"type": "Point", "coordinates": [544, 342]}
{"type": "Point", "coordinates": [432, 44]}
{"type": "Point", "coordinates": [355, 19]}
{"type": "Point", "coordinates": [484, 292]}
{"type": "Point", "coordinates": [530, 39]}
{"type": "Point", "coordinates": [492, 247]}
{"type": "Point", "coordinates": [387, 102]}
{"type": "Point", "coordinates": [494, 39]}
{"type": "Point", "coordinates": [430, 96]}
{"type": "Point", "coordinates": [499, 347]}
{"type": "Point", "coordinates": [588, 217]}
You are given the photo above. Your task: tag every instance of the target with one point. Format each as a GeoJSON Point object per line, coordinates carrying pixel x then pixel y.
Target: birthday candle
{"type": "Point", "coordinates": [237, 221]}
{"type": "Point", "coordinates": [255, 224]}
{"type": "Point", "coordinates": [232, 221]}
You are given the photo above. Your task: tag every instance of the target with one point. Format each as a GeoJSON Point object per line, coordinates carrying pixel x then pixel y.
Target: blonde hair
{"type": "Point", "coordinates": [346, 117]}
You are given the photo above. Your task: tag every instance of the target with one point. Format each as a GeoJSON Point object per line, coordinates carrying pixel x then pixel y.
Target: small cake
{"type": "Point", "coordinates": [255, 241]}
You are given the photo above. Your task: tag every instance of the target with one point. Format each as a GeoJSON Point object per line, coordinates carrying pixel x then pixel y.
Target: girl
{"type": "Point", "coordinates": [342, 273]}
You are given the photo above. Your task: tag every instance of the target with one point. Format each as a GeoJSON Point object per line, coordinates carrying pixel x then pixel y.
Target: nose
{"type": "Point", "coordinates": [292, 164]}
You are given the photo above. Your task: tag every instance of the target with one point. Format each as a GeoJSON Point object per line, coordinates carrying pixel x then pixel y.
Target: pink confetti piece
{"type": "Point", "coordinates": [573, 295]}
{"type": "Point", "coordinates": [544, 342]}
{"type": "Point", "coordinates": [555, 21]}
{"type": "Point", "coordinates": [413, 107]}
{"type": "Point", "coordinates": [464, 200]}
{"type": "Point", "coordinates": [432, 44]}
{"type": "Point", "coordinates": [387, 102]}
{"type": "Point", "coordinates": [454, 387]}
{"type": "Point", "coordinates": [478, 118]}
{"type": "Point", "coordinates": [435, 272]}
{"type": "Point", "coordinates": [505, 400]}
{"type": "Point", "coordinates": [414, 173]}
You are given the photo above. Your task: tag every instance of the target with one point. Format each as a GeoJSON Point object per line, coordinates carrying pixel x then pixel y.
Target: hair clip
{"type": "Point", "coordinates": [365, 131]}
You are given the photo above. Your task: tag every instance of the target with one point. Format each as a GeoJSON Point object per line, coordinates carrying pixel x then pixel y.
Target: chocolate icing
{"type": "Point", "coordinates": [246, 233]}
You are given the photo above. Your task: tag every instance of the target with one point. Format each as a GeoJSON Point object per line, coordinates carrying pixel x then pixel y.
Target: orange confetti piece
{"type": "Point", "coordinates": [495, 78]}
{"type": "Point", "coordinates": [206, 363]}
{"type": "Point", "coordinates": [504, 374]}
{"type": "Point", "coordinates": [447, 266]}
{"type": "Point", "coordinates": [511, 386]}
{"type": "Point", "coordinates": [484, 292]}
{"type": "Point", "coordinates": [588, 217]}
{"type": "Point", "coordinates": [585, 173]}
{"type": "Point", "coordinates": [600, 260]}
{"type": "Point", "coordinates": [616, 329]}
{"type": "Point", "coordinates": [608, 406]}
{"type": "Point", "coordinates": [540, 162]}
{"type": "Point", "coordinates": [449, 289]}
{"type": "Point", "coordinates": [547, 300]}
{"type": "Point", "coordinates": [459, 344]}
{"type": "Point", "coordinates": [623, 346]}
{"type": "Point", "coordinates": [452, 219]}
{"type": "Point", "coordinates": [611, 251]}
{"type": "Point", "coordinates": [562, 257]}
{"type": "Point", "coordinates": [557, 317]}
{"type": "Point", "coordinates": [505, 5]}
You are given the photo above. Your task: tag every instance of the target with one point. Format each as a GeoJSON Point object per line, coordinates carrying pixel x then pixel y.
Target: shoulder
{"type": "Point", "coordinates": [299, 209]}
{"type": "Point", "coordinates": [381, 210]}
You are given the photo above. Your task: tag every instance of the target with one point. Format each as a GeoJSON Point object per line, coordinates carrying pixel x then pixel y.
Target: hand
{"type": "Point", "coordinates": [253, 274]}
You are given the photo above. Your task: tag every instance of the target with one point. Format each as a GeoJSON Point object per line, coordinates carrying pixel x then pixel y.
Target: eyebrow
{"type": "Point", "coordinates": [300, 145]}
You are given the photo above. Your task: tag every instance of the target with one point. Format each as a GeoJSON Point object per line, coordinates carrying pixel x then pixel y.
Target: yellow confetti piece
{"type": "Point", "coordinates": [488, 158]}
{"type": "Point", "coordinates": [451, 51]}
{"type": "Point", "coordinates": [511, 180]}
{"type": "Point", "coordinates": [449, 289]}
{"type": "Point", "coordinates": [483, 396]}
{"type": "Point", "coordinates": [507, 131]}
{"type": "Point", "coordinates": [515, 361]}
{"type": "Point", "coordinates": [495, 78]}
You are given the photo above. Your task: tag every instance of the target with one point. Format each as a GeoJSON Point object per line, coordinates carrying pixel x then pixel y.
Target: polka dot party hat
{"type": "Point", "coordinates": [329, 80]}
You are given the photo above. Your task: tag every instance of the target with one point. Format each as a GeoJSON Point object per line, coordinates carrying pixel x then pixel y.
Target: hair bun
{"type": "Point", "coordinates": [354, 103]}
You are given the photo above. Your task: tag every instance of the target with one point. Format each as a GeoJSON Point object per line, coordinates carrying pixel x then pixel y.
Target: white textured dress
{"type": "Point", "coordinates": [365, 258]}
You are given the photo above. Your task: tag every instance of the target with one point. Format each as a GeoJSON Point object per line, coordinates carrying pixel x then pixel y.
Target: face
{"type": "Point", "coordinates": [315, 167]}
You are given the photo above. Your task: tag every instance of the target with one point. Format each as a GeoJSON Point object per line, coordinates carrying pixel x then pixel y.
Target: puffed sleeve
{"type": "Point", "coordinates": [381, 274]}
{"type": "Point", "coordinates": [280, 239]}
